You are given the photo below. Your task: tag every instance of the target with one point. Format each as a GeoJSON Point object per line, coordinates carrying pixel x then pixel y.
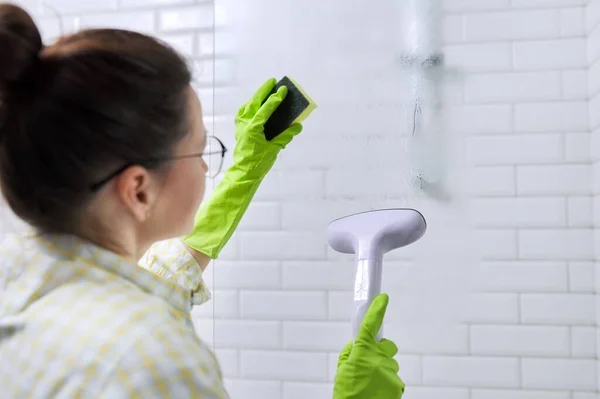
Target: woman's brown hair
{"type": "Point", "coordinates": [73, 111]}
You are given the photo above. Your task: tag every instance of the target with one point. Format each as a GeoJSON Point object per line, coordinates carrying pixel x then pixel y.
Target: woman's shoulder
{"type": "Point", "coordinates": [169, 359]}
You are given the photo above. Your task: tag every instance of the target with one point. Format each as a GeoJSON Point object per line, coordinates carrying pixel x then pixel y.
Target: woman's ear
{"type": "Point", "coordinates": [138, 191]}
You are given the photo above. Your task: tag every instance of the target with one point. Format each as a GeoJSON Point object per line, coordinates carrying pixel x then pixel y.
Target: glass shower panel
{"type": "Point", "coordinates": [283, 299]}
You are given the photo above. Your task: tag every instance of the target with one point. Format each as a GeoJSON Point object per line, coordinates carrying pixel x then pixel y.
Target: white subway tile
{"type": "Point", "coordinates": [453, 29]}
{"type": "Point", "coordinates": [280, 305]}
{"type": "Point", "coordinates": [554, 180]}
{"type": "Point", "coordinates": [583, 342]}
{"type": "Point", "coordinates": [228, 360]}
{"type": "Point", "coordinates": [512, 25]}
{"type": "Point", "coordinates": [305, 184]}
{"type": "Point", "coordinates": [577, 147]}
{"type": "Point", "coordinates": [581, 276]}
{"type": "Point", "coordinates": [299, 390]}
{"type": "Point", "coordinates": [253, 389]}
{"type": "Point", "coordinates": [261, 216]}
{"type": "Point", "coordinates": [592, 15]}
{"type": "Point", "coordinates": [184, 44]}
{"type": "Point", "coordinates": [496, 244]}
{"type": "Point", "coordinates": [572, 21]}
{"type": "Point", "coordinates": [339, 305]}
{"type": "Point", "coordinates": [471, 371]}
{"type": "Point", "coordinates": [223, 15]}
{"type": "Point", "coordinates": [551, 117]}
{"type": "Point", "coordinates": [515, 149]}
{"type": "Point", "coordinates": [492, 308]}
{"type": "Point", "coordinates": [222, 42]}
{"type": "Point", "coordinates": [358, 184]}
{"type": "Point", "coordinates": [513, 87]}
{"type": "Point", "coordinates": [407, 277]}
{"type": "Point", "coordinates": [558, 309]}
{"type": "Point", "coordinates": [332, 364]}
{"type": "Point", "coordinates": [206, 44]}
{"type": "Point", "coordinates": [575, 84]}
{"type": "Point", "coordinates": [197, 17]}
{"type": "Point", "coordinates": [520, 340]}
{"type": "Point", "coordinates": [523, 276]}
{"type": "Point", "coordinates": [246, 275]}
{"type": "Point", "coordinates": [219, 103]}
{"type": "Point", "coordinates": [580, 211]}
{"type": "Point", "coordinates": [491, 181]}
{"type": "Point", "coordinates": [596, 218]}
{"type": "Point", "coordinates": [428, 340]}
{"type": "Point", "coordinates": [152, 3]}
{"type": "Point", "coordinates": [417, 392]}
{"type": "Point", "coordinates": [593, 42]}
{"type": "Point", "coordinates": [261, 245]}
{"type": "Point", "coordinates": [140, 21]}
{"type": "Point", "coordinates": [594, 78]}
{"type": "Point", "coordinates": [378, 116]}
{"type": "Point", "coordinates": [595, 147]}
{"type": "Point", "coordinates": [411, 369]}
{"type": "Point", "coordinates": [558, 373]}
{"type": "Point", "coordinates": [204, 329]}
{"type": "Point", "coordinates": [231, 250]}
{"type": "Point", "coordinates": [289, 366]}
{"type": "Point", "coordinates": [334, 150]}
{"type": "Point", "coordinates": [595, 111]}
{"type": "Point", "coordinates": [333, 361]}
{"type": "Point", "coordinates": [442, 308]}
{"type": "Point", "coordinates": [556, 244]}
{"type": "Point", "coordinates": [318, 275]}
{"type": "Point", "coordinates": [316, 336]}
{"type": "Point", "coordinates": [475, 5]}
{"type": "Point", "coordinates": [316, 215]}
{"type": "Point", "coordinates": [520, 212]}
{"type": "Point", "coordinates": [51, 28]}
{"type": "Point", "coordinates": [204, 73]}
{"type": "Point", "coordinates": [514, 394]}
{"type": "Point", "coordinates": [405, 253]}
{"type": "Point", "coordinates": [597, 269]}
{"type": "Point", "coordinates": [479, 119]}
{"type": "Point", "coordinates": [479, 57]}
{"type": "Point", "coordinates": [256, 334]}
{"type": "Point", "coordinates": [33, 7]}
{"type": "Point", "coordinates": [225, 71]}
{"type": "Point", "coordinates": [224, 304]}
{"type": "Point", "coordinates": [584, 395]}
{"type": "Point", "coordinates": [11, 223]}
{"type": "Point", "coordinates": [547, 3]}
{"type": "Point", "coordinates": [550, 54]}
{"type": "Point", "coordinates": [69, 7]}
{"type": "Point", "coordinates": [218, 71]}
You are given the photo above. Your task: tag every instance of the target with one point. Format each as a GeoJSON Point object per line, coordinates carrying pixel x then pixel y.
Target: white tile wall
{"type": "Point", "coordinates": [592, 26]}
{"type": "Point", "coordinates": [524, 105]}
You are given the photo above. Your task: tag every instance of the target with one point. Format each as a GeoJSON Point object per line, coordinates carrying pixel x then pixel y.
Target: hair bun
{"type": "Point", "coordinates": [20, 43]}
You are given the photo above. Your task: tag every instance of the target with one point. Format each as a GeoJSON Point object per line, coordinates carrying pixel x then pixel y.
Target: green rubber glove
{"type": "Point", "coordinates": [253, 157]}
{"type": "Point", "coordinates": [367, 368]}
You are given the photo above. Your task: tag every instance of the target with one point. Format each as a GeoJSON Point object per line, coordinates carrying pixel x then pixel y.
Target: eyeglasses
{"type": "Point", "coordinates": [213, 156]}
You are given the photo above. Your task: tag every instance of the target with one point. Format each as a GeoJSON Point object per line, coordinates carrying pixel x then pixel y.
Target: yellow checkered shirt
{"type": "Point", "coordinates": [78, 321]}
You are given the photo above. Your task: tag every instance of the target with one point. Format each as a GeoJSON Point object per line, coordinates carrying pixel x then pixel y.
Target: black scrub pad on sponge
{"type": "Point", "coordinates": [295, 108]}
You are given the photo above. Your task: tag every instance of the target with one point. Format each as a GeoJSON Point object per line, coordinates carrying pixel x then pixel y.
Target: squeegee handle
{"type": "Point", "coordinates": [367, 285]}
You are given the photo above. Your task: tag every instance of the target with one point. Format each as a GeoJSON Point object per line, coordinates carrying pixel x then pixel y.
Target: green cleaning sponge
{"type": "Point", "coordinates": [295, 108]}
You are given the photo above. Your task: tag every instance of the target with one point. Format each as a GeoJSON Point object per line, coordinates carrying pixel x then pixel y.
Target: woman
{"type": "Point", "coordinates": [103, 151]}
